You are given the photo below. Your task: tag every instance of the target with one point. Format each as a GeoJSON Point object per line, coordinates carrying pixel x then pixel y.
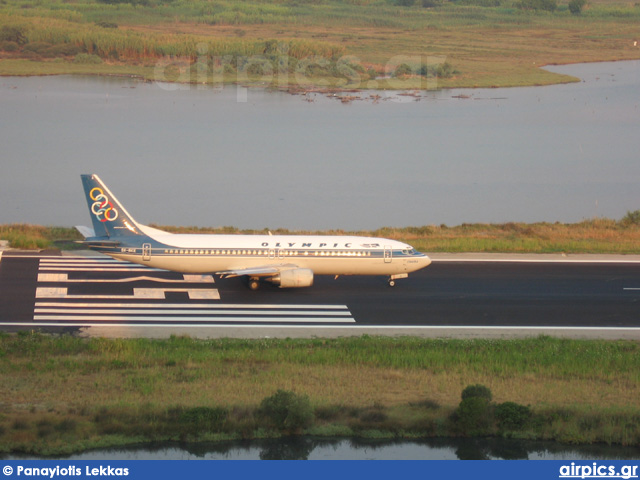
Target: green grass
{"type": "Point", "coordinates": [61, 394]}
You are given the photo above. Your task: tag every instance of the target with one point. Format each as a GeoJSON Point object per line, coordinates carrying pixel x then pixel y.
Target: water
{"type": "Point", "coordinates": [314, 448]}
{"type": "Point", "coordinates": [198, 156]}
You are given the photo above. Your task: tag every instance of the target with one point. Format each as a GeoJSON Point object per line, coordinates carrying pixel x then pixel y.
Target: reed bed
{"type": "Point", "coordinates": [127, 45]}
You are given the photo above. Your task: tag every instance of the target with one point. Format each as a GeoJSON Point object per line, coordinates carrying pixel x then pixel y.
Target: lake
{"type": "Point", "coordinates": [256, 159]}
{"type": "Point", "coordinates": [316, 448]}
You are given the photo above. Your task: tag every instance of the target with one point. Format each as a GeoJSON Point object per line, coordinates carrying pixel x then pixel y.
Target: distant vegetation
{"type": "Point", "coordinates": [185, 390]}
{"type": "Point", "coordinates": [328, 43]}
{"type": "Point", "coordinates": [599, 235]}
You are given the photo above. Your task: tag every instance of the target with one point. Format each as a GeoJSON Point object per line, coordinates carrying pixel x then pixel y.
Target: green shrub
{"type": "Point", "coordinates": [631, 218]}
{"type": "Point", "coordinates": [576, 6]}
{"type": "Point", "coordinates": [37, 47]}
{"type": "Point", "coordinates": [63, 49]}
{"type": "Point", "coordinates": [441, 70]}
{"type": "Point", "coordinates": [477, 391]}
{"type": "Point", "coordinates": [13, 33]}
{"type": "Point", "coordinates": [473, 416]}
{"type": "Point", "coordinates": [511, 415]}
{"type": "Point", "coordinates": [546, 5]}
{"type": "Point", "coordinates": [107, 24]}
{"type": "Point", "coordinates": [402, 70]}
{"type": "Point", "coordinates": [287, 410]}
{"type": "Point", "coordinates": [87, 58]}
{"type": "Point", "coordinates": [9, 46]}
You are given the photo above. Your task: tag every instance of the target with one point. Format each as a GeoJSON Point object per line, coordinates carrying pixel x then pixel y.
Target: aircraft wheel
{"type": "Point", "coordinates": [254, 284]}
{"type": "Point", "coordinates": [392, 283]}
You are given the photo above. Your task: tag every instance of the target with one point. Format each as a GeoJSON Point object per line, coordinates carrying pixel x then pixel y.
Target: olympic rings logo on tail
{"type": "Point", "coordinates": [102, 207]}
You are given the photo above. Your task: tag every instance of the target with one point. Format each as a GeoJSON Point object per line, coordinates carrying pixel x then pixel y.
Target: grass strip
{"type": "Point", "coordinates": [63, 394]}
{"type": "Point", "coordinates": [598, 235]}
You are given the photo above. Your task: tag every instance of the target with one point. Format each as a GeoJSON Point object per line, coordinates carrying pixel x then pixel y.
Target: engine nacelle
{"type": "Point", "coordinates": [293, 278]}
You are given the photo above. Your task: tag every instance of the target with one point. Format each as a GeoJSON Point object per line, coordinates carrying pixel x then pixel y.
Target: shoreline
{"type": "Point", "coordinates": [295, 88]}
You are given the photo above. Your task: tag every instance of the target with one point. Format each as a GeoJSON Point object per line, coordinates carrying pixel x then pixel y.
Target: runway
{"type": "Point", "coordinates": [457, 296]}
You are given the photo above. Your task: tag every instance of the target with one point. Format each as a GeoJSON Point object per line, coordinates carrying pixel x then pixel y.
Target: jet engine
{"type": "Point", "coordinates": [293, 278]}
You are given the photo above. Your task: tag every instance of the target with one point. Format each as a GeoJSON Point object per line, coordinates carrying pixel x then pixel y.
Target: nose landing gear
{"type": "Point", "coordinates": [393, 278]}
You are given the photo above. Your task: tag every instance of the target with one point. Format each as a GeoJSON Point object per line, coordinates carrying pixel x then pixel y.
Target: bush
{"type": "Point", "coordinates": [8, 46]}
{"type": "Point", "coordinates": [511, 415]}
{"type": "Point", "coordinates": [441, 70]}
{"type": "Point", "coordinates": [402, 70]}
{"type": "Point", "coordinates": [64, 49]}
{"type": "Point", "coordinates": [547, 5]}
{"type": "Point", "coordinates": [631, 218]}
{"type": "Point", "coordinates": [37, 47]}
{"type": "Point", "coordinates": [107, 24]}
{"type": "Point", "coordinates": [287, 410]}
{"type": "Point", "coordinates": [477, 391]}
{"type": "Point", "coordinates": [87, 58]}
{"type": "Point", "coordinates": [473, 416]}
{"type": "Point", "coordinates": [13, 33]}
{"type": "Point", "coordinates": [576, 6]}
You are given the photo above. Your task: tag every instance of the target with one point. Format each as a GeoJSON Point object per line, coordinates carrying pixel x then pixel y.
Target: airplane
{"type": "Point", "coordinates": [288, 261]}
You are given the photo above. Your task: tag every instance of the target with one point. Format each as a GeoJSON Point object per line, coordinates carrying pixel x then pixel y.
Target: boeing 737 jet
{"type": "Point", "coordinates": [288, 261]}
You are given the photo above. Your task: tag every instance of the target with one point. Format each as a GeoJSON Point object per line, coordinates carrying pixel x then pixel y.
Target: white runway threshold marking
{"type": "Point", "coordinates": [156, 293]}
{"type": "Point", "coordinates": [55, 306]}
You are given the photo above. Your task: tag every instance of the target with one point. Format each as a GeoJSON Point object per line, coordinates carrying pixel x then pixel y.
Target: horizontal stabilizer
{"type": "Point", "coordinates": [86, 232]}
{"type": "Point", "coordinates": [97, 242]}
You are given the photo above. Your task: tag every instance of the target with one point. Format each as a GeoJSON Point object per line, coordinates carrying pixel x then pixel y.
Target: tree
{"type": "Point", "coordinates": [576, 6]}
{"type": "Point", "coordinates": [287, 410]}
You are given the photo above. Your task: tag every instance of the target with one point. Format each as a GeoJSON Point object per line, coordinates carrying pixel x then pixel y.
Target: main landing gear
{"type": "Point", "coordinates": [253, 283]}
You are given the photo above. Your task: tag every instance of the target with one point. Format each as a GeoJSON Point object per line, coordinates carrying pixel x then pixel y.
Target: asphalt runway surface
{"type": "Point", "coordinates": [453, 297]}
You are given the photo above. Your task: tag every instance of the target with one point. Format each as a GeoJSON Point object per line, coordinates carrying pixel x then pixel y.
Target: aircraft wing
{"type": "Point", "coordinates": [260, 271]}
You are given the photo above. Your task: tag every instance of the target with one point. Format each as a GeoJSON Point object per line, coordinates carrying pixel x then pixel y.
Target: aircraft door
{"type": "Point", "coordinates": [388, 255]}
{"type": "Point", "coordinates": [146, 252]}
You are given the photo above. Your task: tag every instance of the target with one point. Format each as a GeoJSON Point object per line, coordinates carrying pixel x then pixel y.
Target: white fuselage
{"type": "Point", "coordinates": [324, 255]}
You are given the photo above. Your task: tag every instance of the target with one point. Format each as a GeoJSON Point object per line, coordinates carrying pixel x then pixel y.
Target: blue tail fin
{"type": "Point", "coordinates": [109, 218]}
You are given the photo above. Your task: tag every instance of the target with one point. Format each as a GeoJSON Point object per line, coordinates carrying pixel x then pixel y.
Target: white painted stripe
{"type": "Point", "coordinates": [631, 288]}
{"type": "Point", "coordinates": [214, 311]}
{"type": "Point", "coordinates": [116, 268]}
{"type": "Point", "coordinates": [153, 293]}
{"type": "Point", "coordinates": [123, 318]}
{"type": "Point", "coordinates": [81, 260]}
{"type": "Point", "coordinates": [188, 305]}
{"type": "Point", "coordinates": [64, 278]}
